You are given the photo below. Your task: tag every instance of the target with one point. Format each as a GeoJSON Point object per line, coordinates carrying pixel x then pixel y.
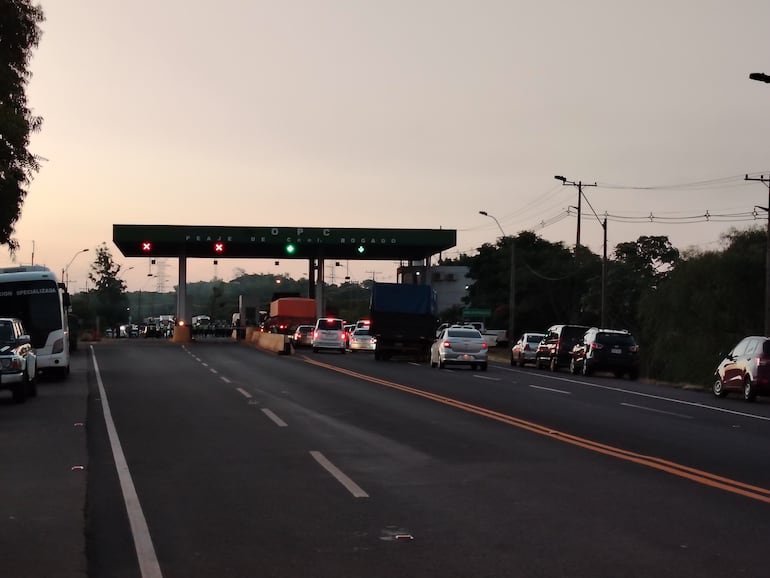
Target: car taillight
{"type": "Point", "coordinates": [526, 347]}
{"type": "Point", "coordinates": [316, 334]}
{"type": "Point", "coordinates": [762, 361]}
{"type": "Point", "coordinates": [596, 345]}
{"type": "Point", "coordinates": [447, 344]}
{"type": "Point", "coordinates": [633, 348]}
{"type": "Point", "coordinates": [343, 336]}
{"type": "Point", "coordinates": [484, 345]}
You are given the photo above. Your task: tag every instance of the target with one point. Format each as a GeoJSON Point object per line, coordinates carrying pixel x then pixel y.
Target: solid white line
{"type": "Point", "coordinates": [659, 397]}
{"type": "Point", "coordinates": [349, 484]}
{"type": "Point", "coordinates": [487, 378]}
{"type": "Point", "coordinates": [551, 389]}
{"type": "Point", "coordinates": [223, 378]}
{"type": "Point", "coordinates": [243, 392]}
{"type": "Point", "coordinates": [657, 410]}
{"type": "Point", "coordinates": [274, 418]}
{"type": "Point", "coordinates": [145, 551]}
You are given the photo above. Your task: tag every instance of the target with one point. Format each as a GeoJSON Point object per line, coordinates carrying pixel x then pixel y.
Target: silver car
{"type": "Point", "coordinates": [459, 346]}
{"type": "Point", "coordinates": [525, 349]}
{"type": "Point", "coordinates": [360, 340]}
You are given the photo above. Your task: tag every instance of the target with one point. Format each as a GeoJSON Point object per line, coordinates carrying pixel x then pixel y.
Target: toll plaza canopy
{"type": "Point", "coordinates": [280, 242]}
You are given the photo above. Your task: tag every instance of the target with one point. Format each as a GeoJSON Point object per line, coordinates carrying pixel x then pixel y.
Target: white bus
{"type": "Point", "coordinates": [33, 294]}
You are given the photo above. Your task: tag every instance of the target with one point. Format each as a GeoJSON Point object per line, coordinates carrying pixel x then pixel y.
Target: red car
{"type": "Point", "coordinates": [745, 369]}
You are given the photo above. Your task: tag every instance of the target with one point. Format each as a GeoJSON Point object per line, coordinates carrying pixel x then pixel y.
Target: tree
{"type": "Point", "coordinates": [19, 34]}
{"type": "Point", "coordinates": [110, 301]}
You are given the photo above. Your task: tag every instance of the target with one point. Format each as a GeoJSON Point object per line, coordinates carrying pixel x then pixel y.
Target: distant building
{"type": "Point", "coordinates": [450, 282]}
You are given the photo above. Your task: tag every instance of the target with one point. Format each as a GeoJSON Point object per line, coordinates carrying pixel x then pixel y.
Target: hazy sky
{"type": "Point", "coordinates": [394, 113]}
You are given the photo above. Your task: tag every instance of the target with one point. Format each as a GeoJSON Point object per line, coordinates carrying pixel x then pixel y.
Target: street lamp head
{"type": "Point", "coordinates": [761, 76]}
{"type": "Point", "coordinates": [560, 178]}
{"type": "Point", "coordinates": [483, 213]}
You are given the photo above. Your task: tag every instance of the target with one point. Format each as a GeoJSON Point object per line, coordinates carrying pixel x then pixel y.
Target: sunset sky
{"type": "Point", "coordinates": [403, 114]}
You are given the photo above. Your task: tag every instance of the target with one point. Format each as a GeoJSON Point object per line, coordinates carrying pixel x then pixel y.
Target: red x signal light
{"type": "Point", "coordinates": [146, 246]}
{"type": "Point", "coordinates": [219, 247]}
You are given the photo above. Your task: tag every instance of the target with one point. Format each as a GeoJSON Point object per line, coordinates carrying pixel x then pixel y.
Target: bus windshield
{"type": "Point", "coordinates": [36, 303]}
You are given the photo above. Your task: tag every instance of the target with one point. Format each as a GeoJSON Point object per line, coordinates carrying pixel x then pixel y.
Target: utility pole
{"type": "Point", "coordinates": [579, 186]}
{"type": "Point", "coordinates": [766, 181]}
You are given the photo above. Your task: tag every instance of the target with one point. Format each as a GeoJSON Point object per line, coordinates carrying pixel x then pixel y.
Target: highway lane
{"type": "Point", "coordinates": [247, 463]}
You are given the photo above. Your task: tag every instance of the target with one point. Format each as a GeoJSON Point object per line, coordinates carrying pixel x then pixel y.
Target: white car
{"type": "Point", "coordinates": [460, 346]}
{"type": "Point", "coordinates": [18, 362]}
{"type": "Point", "coordinates": [360, 340]}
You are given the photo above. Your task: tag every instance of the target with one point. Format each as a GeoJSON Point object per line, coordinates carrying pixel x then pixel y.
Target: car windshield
{"type": "Point", "coordinates": [466, 333]}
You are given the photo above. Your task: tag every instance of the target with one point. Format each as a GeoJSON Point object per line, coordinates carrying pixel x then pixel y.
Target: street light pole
{"type": "Point", "coordinates": [512, 289]}
{"type": "Point", "coordinates": [65, 269]}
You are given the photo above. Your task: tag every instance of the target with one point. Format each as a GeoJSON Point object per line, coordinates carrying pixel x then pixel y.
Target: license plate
{"type": "Point", "coordinates": [617, 350]}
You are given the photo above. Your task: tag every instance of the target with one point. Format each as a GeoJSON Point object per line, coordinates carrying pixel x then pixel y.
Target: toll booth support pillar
{"type": "Point", "coordinates": [182, 333]}
{"type": "Point", "coordinates": [320, 297]}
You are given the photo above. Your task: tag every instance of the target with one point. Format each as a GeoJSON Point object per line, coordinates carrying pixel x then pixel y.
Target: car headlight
{"type": "Point", "coordinates": [12, 363]}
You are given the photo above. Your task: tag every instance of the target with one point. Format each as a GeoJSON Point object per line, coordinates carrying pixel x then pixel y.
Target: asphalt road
{"type": "Point", "coordinates": [239, 463]}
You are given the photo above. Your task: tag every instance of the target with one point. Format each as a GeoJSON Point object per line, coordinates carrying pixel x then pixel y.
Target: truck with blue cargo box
{"type": "Point", "coordinates": [403, 320]}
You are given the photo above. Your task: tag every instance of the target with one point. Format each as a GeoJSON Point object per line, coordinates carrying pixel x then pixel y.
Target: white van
{"type": "Point", "coordinates": [329, 333]}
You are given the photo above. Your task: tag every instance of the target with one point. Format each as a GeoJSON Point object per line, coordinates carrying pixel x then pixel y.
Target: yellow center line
{"type": "Point", "coordinates": [680, 470]}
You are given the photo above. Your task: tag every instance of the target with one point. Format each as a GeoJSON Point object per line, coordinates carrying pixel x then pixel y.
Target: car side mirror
{"type": "Point", "coordinates": [24, 339]}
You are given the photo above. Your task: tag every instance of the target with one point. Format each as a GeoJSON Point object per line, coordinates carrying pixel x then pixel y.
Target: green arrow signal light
{"type": "Point", "coordinates": [361, 249]}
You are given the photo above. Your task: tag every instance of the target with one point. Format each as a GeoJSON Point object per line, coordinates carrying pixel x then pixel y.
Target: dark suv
{"type": "Point", "coordinates": [746, 369]}
{"type": "Point", "coordinates": [606, 350]}
{"type": "Point", "coordinates": [555, 350]}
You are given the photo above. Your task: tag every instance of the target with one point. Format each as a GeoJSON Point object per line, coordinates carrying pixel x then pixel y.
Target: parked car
{"type": "Point", "coordinates": [525, 349]}
{"type": "Point", "coordinates": [746, 369]}
{"type": "Point", "coordinates": [18, 362]}
{"type": "Point", "coordinates": [302, 336]}
{"type": "Point", "coordinates": [606, 350]}
{"type": "Point", "coordinates": [360, 340]}
{"type": "Point", "coordinates": [555, 350]}
{"type": "Point", "coordinates": [459, 346]}
{"type": "Point", "coordinates": [329, 333]}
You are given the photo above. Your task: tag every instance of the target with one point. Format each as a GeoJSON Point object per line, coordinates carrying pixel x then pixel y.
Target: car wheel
{"type": "Point", "coordinates": [749, 393]}
{"type": "Point", "coordinates": [573, 369]}
{"type": "Point", "coordinates": [618, 374]}
{"type": "Point", "coordinates": [587, 369]}
{"type": "Point", "coordinates": [433, 364]}
{"type": "Point", "coordinates": [633, 375]}
{"type": "Point", "coordinates": [315, 350]}
{"type": "Point", "coordinates": [718, 389]}
{"type": "Point", "coordinates": [554, 365]}
{"type": "Point", "coordinates": [484, 366]}
{"type": "Point", "coordinates": [342, 350]}
{"type": "Point", "coordinates": [473, 367]}
{"type": "Point", "coordinates": [513, 362]}
{"type": "Point", "coordinates": [441, 364]}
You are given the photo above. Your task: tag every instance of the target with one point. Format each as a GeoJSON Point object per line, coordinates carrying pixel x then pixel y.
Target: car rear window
{"type": "Point", "coordinates": [361, 331]}
{"type": "Point", "coordinates": [467, 333]}
{"type": "Point", "coordinates": [573, 332]}
{"type": "Point", "coordinates": [330, 324]}
{"type": "Point", "coordinates": [534, 338]}
{"type": "Point", "coordinates": [615, 339]}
